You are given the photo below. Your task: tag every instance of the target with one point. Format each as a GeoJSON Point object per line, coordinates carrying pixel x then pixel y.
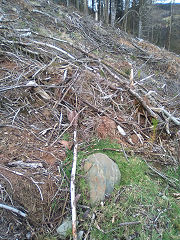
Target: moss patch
{"type": "Point", "coordinates": [139, 197]}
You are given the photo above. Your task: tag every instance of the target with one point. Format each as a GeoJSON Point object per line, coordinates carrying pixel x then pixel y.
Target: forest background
{"type": "Point", "coordinates": [155, 21]}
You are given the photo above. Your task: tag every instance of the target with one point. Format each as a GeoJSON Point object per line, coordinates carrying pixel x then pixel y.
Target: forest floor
{"type": "Point", "coordinates": [54, 62]}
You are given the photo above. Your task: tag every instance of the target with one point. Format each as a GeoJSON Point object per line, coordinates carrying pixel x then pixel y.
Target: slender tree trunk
{"type": "Point", "coordinates": [77, 4]}
{"type": "Point", "coordinates": [119, 10]}
{"type": "Point", "coordinates": [140, 28]}
{"type": "Point", "coordinates": [113, 11]}
{"type": "Point", "coordinates": [93, 2]}
{"type": "Point", "coordinates": [100, 11]}
{"type": "Point", "coordinates": [170, 26]}
{"type": "Point", "coordinates": [86, 7]}
{"type": "Point", "coordinates": [152, 34]}
{"type": "Point", "coordinates": [106, 12]}
{"type": "Point", "coordinates": [125, 12]}
{"type": "Point", "coordinates": [133, 24]}
{"type": "Point", "coordinates": [96, 9]}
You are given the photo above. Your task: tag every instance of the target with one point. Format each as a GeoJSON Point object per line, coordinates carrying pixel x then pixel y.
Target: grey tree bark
{"type": "Point", "coordinates": [113, 11]}
{"type": "Point", "coordinates": [170, 25]}
{"type": "Point", "coordinates": [106, 12]}
{"type": "Point", "coordinates": [85, 2]}
{"type": "Point", "coordinates": [125, 13]}
{"type": "Point", "coordinates": [96, 9]}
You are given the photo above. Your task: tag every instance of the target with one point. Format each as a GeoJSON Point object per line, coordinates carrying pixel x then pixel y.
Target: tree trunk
{"type": "Point", "coordinates": [77, 4]}
{"type": "Point", "coordinates": [170, 26]}
{"type": "Point", "coordinates": [152, 34]}
{"type": "Point", "coordinates": [125, 12]}
{"type": "Point", "coordinates": [86, 7]}
{"type": "Point", "coordinates": [113, 11]}
{"type": "Point", "coordinates": [119, 10]}
{"type": "Point", "coordinates": [100, 11]}
{"type": "Point", "coordinates": [140, 28]}
{"type": "Point", "coordinates": [96, 9]}
{"type": "Point", "coordinates": [106, 12]}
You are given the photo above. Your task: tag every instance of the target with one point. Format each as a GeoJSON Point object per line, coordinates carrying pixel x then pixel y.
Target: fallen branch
{"type": "Point", "coordinates": [13, 209]}
{"type": "Point", "coordinates": [172, 184]}
{"type": "Point", "coordinates": [39, 189]}
{"type": "Point", "coordinates": [148, 109]}
{"type": "Point", "coordinates": [23, 164]}
{"type": "Point", "coordinates": [134, 94]}
{"type": "Point", "coordinates": [27, 86]}
{"type": "Point", "coordinates": [52, 47]}
{"type": "Point", "coordinates": [100, 111]}
{"type": "Point", "coordinates": [170, 117]}
{"type": "Point", "coordinates": [117, 70]}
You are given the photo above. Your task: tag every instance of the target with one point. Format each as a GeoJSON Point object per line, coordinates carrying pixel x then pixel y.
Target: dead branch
{"type": "Point", "coordinates": [172, 184]}
{"type": "Point", "coordinates": [23, 164]}
{"type": "Point", "coordinates": [29, 178]}
{"type": "Point", "coordinates": [29, 44]}
{"type": "Point", "coordinates": [115, 69]}
{"type": "Point", "coordinates": [44, 14]}
{"type": "Point", "coordinates": [8, 21]}
{"type": "Point", "coordinates": [144, 79]}
{"type": "Point", "coordinates": [13, 209]}
{"type": "Point", "coordinates": [100, 111]}
{"type": "Point", "coordinates": [135, 94]}
{"type": "Point", "coordinates": [28, 86]}
{"type": "Point", "coordinates": [53, 47]}
{"type": "Point", "coordinates": [148, 109]}
{"type": "Point", "coordinates": [170, 117]}
{"type": "Point", "coordinates": [43, 68]}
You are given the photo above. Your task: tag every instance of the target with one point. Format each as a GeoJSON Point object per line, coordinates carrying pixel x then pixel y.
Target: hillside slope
{"type": "Point", "coordinates": [54, 61]}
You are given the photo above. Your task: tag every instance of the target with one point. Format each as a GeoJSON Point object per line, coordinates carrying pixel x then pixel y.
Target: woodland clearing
{"type": "Point", "coordinates": [55, 62]}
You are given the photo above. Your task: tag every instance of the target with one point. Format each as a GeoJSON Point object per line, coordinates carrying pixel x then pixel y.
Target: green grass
{"type": "Point", "coordinates": [139, 197]}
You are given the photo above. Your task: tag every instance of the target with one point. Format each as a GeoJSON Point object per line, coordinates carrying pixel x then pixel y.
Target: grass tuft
{"type": "Point", "coordinates": [139, 197]}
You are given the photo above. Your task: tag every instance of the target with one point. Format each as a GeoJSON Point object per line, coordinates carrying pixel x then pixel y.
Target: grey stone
{"type": "Point", "coordinates": [80, 235]}
{"type": "Point", "coordinates": [64, 228]}
{"type": "Point", "coordinates": [102, 175]}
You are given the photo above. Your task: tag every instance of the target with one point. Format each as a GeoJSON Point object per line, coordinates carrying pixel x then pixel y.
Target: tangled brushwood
{"type": "Point", "coordinates": [53, 63]}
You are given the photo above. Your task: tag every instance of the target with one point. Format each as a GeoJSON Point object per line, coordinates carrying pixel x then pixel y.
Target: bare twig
{"type": "Point", "coordinates": [148, 109]}
{"type": "Point", "coordinates": [27, 86]}
{"type": "Point", "coordinates": [172, 118]}
{"type": "Point", "coordinates": [120, 225]}
{"type": "Point", "coordinates": [172, 184]}
{"type": "Point", "coordinates": [90, 227]}
{"type": "Point", "coordinates": [13, 209]}
{"type": "Point", "coordinates": [53, 47]}
{"type": "Point", "coordinates": [71, 123]}
{"type": "Point", "coordinates": [142, 80]}
{"type": "Point", "coordinates": [125, 155]}
{"type": "Point", "coordinates": [135, 94]}
{"type": "Point", "coordinates": [39, 189]}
